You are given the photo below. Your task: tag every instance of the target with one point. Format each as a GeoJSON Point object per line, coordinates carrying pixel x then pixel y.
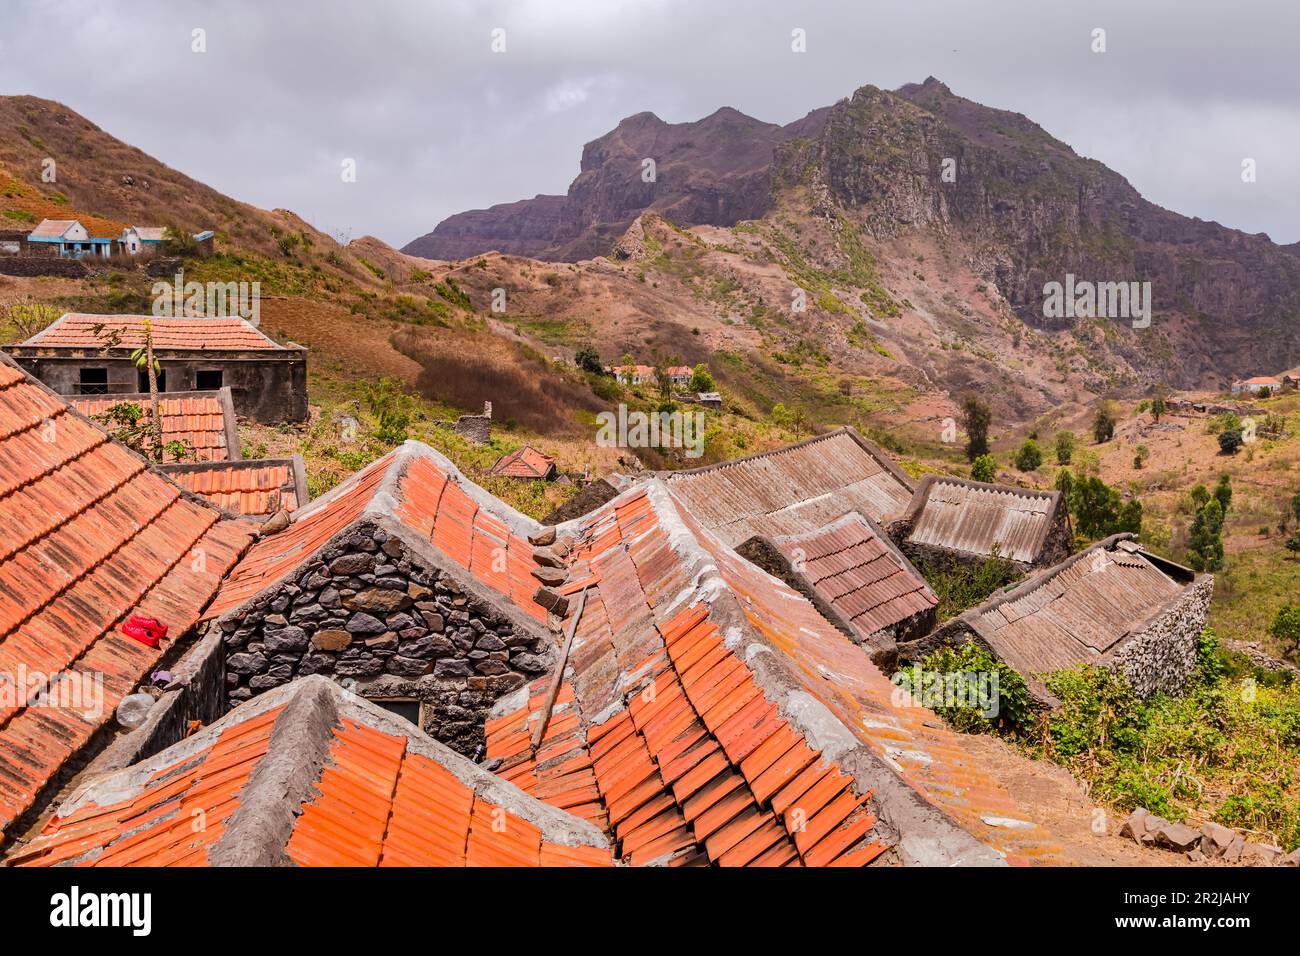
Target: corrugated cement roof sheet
{"type": "Point", "coordinates": [973, 517]}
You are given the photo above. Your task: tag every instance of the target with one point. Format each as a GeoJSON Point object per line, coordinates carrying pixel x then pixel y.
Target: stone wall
{"type": "Point", "coordinates": [371, 612]}
{"type": "Point", "coordinates": [1162, 654]}
{"type": "Point", "coordinates": [42, 266]}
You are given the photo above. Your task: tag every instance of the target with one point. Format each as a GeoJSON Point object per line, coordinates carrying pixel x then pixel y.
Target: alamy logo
{"type": "Point", "coordinates": [211, 300]}
{"type": "Point", "coordinates": [77, 691]}
{"type": "Point", "coordinates": [627, 429]}
{"type": "Point", "coordinates": [1098, 300]}
{"type": "Point", "coordinates": [74, 909]}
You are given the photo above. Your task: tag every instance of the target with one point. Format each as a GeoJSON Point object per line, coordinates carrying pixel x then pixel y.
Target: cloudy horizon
{"type": "Point", "coordinates": [439, 123]}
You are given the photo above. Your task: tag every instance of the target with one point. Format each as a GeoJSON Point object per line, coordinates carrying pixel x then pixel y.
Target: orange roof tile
{"type": "Point", "coordinates": [727, 722]}
{"type": "Point", "coordinates": [424, 491]}
{"type": "Point", "coordinates": [88, 535]}
{"type": "Point", "coordinates": [253, 488]}
{"type": "Point", "coordinates": [76, 330]}
{"type": "Point", "coordinates": [312, 776]}
{"type": "Point", "coordinates": [203, 421]}
{"type": "Point", "coordinates": [526, 462]}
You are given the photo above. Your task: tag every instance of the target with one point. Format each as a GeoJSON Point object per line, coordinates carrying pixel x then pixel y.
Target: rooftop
{"type": "Point", "coordinates": [89, 535]}
{"type": "Point", "coordinates": [424, 495]}
{"type": "Point", "coordinates": [76, 330]}
{"type": "Point", "coordinates": [526, 462]}
{"type": "Point", "coordinates": [203, 421]}
{"type": "Point", "coordinates": [709, 714]}
{"type": "Point", "coordinates": [256, 488]}
{"type": "Point", "coordinates": [973, 517]}
{"type": "Point", "coordinates": [1077, 611]}
{"type": "Point", "coordinates": [793, 490]}
{"type": "Point", "coordinates": [310, 775]}
{"type": "Point", "coordinates": [853, 566]}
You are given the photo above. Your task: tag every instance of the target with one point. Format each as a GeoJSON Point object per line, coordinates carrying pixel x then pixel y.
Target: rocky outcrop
{"type": "Point", "coordinates": [716, 171]}
{"type": "Point", "coordinates": [1211, 842]}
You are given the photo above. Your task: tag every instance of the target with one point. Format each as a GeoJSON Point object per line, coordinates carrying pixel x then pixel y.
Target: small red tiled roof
{"type": "Point", "coordinates": [204, 421]}
{"type": "Point", "coordinates": [311, 776]}
{"type": "Point", "coordinates": [89, 534]}
{"type": "Point", "coordinates": [526, 462]}
{"type": "Point", "coordinates": [423, 490]}
{"type": "Point", "coordinates": [76, 330]}
{"type": "Point", "coordinates": [856, 569]}
{"type": "Point", "coordinates": [254, 488]}
{"type": "Point", "coordinates": [716, 717]}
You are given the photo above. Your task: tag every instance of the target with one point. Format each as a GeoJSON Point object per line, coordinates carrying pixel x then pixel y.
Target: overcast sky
{"type": "Point", "coordinates": [438, 123]}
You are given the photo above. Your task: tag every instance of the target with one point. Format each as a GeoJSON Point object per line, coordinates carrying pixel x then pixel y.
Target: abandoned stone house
{"type": "Point", "coordinates": [204, 423]}
{"type": "Point", "coordinates": [794, 490]}
{"type": "Point", "coordinates": [267, 381]}
{"type": "Point", "coordinates": [857, 578]}
{"type": "Point", "coordinates": [956, 521]}
{"type": "Point", "coordinates": [1113, 604]}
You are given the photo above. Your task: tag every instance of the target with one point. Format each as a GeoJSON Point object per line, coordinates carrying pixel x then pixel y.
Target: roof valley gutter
{"type": "Point", "coordinates": [558, 678]}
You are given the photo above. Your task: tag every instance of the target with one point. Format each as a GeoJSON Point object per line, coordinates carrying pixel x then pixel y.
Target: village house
{"type": "Point", "coordinates": [254, 488]}
{"type": "Point", "coordinates": [267, 381]}
{"type": "Point", "coordinates": [137, 239]}
{"type": "Point", "coordinates": [69, 238]}
{"type": "Point", "coordinates": [632, 374]}
{"type": "Point", "coordinates": [1259, 385]}
{"type": "Point", "coordinates": [679, 375]}
{"type": "Point", "coordinates": [957, 521]}
{"type": "Point", "coordinates": [1113, 605]}
{"type": "Point", "coordinates": [855, 576]}
{"type": "Point", "coordinates": [204, 423]}
{"type": "Point", "coordinates": [793, 490]}
{"type": "Point", "coordinates": [525, 463]}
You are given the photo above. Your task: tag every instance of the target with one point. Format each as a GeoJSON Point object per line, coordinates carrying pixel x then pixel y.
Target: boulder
{"type": "Point", "coordinates": [1260, 854]}
{"type": "Point", "coordinates": [551, 577]}
{"type": "Point", "coordinates": [1233, 853]}
{"type": "Point", "coordinates": [547, 558]}
{"type": "Point", "coordinates": [1135, 826]}
{"type": "Point", "coordinates": [1176, 836]}
{"type": "Point", "coordinates": [552, 600]}
{"type": "Point", "coordinates": [1215, 839]}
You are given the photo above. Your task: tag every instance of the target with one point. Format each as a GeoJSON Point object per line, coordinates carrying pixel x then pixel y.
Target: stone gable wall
{"type": "Point", "coordinates": [1162, 655]}
{"type": "Point", "coordinates": [372, 614]}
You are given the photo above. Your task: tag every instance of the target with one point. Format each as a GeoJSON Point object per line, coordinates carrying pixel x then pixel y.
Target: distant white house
{"type": "Point", "coordinates": [70, 239]}
{"type": "Point", "coordinates": [679, 375]}
{"type": "Point", "coordinates": [136, 239]}
{"type": "Point", "coordinates": [1257, 385]}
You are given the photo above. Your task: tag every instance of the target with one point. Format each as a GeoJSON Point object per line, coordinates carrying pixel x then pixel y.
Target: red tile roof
{"type": "Point", "coordinates": [795, 489]}
{"type": "Point", "coordinates": [424, 491]}
{"type": "Point", "coordinates": [254, 488]}
{"type": "Point", "coordinates": [312, 776]}
{"type": "Point", "coordinates": [857, 570]}
{"type": "Point", "coordinates": [727, 722]}
{"type": "Point", "coordinates": [88, 536]}
{"type": "Point", "coordinates": [76, 330]}
{"type": "Point", "coordinates": [526, 462]}
{"type": "Point", "coordinates": [204, 421]}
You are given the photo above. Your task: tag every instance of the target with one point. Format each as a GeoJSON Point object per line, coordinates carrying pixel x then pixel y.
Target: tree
{"type": "Point", "coordinates": [588, 359]}
{"type": "Point", "coordinates": [1230, 440]}
{"type": "Point", "coordinates": [1286, 629]}
{"type": "Point", "coordinates": [702, 379]}
{"type": "Point", "coordinates": [1064, 444]}
{"type": "Point", "coordinates": [984, 468]}
{"type": "Point", "coordinates": [178, 242]}
{"type": "Point", "coordinates": [976, 416]}
{"type": "Point", "coordinates": [1159, 402]}
{"type": "Point", "coordinates": [1065, 484]}
{"type": "Point", "coordinates": [1096, 508]}
{"type": "Point", "coordinates": [1223, 493]}
{"type": "Point", "coordinates": [28, 318]}
{"type": "Point", "coordinates": [1103, 425]}
{"type": "Point", "coordinates": [1030, 456]}
{"type": "Point", "coordinates": [1140, 458]}
{"type": "Point", "coordinates": [1205, 547]}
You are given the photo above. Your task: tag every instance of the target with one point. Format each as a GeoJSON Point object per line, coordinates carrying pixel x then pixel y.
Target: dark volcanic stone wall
{"type": "Point", "coordinates": [375, 616]}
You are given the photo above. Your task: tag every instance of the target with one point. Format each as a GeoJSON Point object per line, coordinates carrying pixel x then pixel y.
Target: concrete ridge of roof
{"type": "Point", "coordinates": [107, 320]}
{"type": "Point", "coordinates": [872, 449]}
{"type": "Point", "coordinates": [285, 778]}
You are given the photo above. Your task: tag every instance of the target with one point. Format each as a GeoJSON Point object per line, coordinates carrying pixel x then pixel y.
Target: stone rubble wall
{"type": "Point", "coordinates": [1162, 655]}
{"type": "Point", "coordinates": [370, 613]}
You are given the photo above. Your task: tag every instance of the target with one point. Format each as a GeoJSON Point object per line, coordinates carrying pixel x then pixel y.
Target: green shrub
{"type": "Point", "coordinates": [1030, 456]}
{"type": "Point", "coordinates": [984, 468]}
{"type": "Point", "coordinates": [969, 675]}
